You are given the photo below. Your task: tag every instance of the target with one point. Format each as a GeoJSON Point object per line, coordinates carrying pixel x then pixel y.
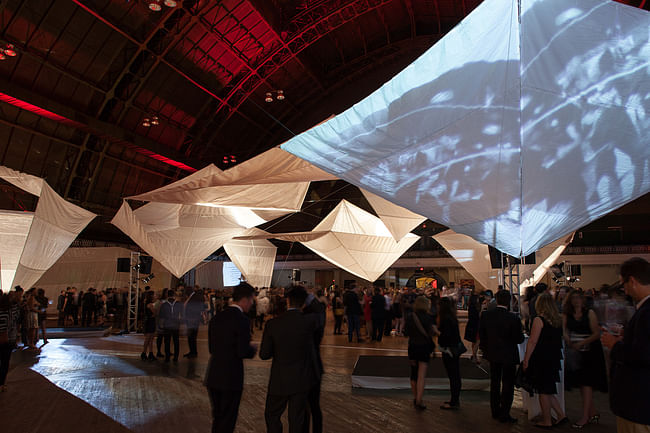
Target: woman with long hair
{"type": "Point", "coordinates": [543, 357]}
{"type": "Point", "coordinates": [338, 311]}
{"type": "Point", "coordinates": [149, 326]}
{"type": "Point", "coordinates": [449, 342]}
{"type": "Point", "coordinates": [420, 330]}
{"type": "Point", "coordinates": [585, 361]}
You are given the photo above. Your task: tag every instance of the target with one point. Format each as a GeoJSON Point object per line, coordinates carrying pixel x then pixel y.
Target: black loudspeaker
{"type": "Point", "coordinates": [145, 264]}
{"type": "Point", "coordinates": [496, 258]}
{"type": "Point", "coordinates": [295, 275]}
{"type": "Point", "coordinates": [123, 264]}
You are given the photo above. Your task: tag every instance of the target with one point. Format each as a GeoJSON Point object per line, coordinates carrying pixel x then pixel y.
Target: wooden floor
{"type": "Point", "coordinates": [100, 385]}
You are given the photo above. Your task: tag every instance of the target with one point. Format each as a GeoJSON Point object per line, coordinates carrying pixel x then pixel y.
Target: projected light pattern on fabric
{"type": "Point", "coordinates": [513, 148]}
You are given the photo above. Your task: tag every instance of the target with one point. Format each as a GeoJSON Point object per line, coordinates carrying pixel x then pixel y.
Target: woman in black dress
{"type": "Point", "coordinates": [149, 326]}
{"type": "Point", "coordinates": [471, 329]}
{"type": "Point", "coordinates": [585, 361]}
{"type": "Point", "coordinates": [542, 361]}
{"type": "Point", "coordinates": [449, 342]}
{"type": "Point", "coordinates": [420, 330]}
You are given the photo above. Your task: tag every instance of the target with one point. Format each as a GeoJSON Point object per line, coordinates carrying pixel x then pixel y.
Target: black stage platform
{"type": "Point", "coordinates": [393, 372]}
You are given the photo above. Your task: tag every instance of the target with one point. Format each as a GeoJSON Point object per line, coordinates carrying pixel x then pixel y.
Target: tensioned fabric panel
{"type": "Point", "coordinates": [56, 224]}
{"type": "Point", "coordinates": [474, 257]}
{"type": "Point", "coordinates": [181, 236]}
{"type": "Point", "coordinates": [513, 148]}
{"type": "Point", "coordinates": [254, 258]}
{"type": "Point", "coordinates": [272, 180]}
{"type": "Point", "coordinates": [397, 219]}
{"type": "Point", "coordinates": [352, 239]}
{"type": "Point", "coordinates": [26, 182]}
{"type": "Point", "coordinates": [14, 228]}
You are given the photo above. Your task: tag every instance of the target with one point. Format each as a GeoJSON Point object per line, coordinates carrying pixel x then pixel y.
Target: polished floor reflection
{"type": "Point", "coordinates": [101, 385]}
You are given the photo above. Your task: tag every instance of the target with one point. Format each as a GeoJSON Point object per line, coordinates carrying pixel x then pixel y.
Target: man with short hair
{"type": "Point", "coordinates": [353, 312]}
{"type": "Point", "coordinates": [317, 311]}
{"type": "Point", "coordinates": [500, 332]}
{"type": "Point", "coordinates": [170, 318]}
{"type": "Point", "coordinates": [629, 394]}
{"type": "Point", "coordinates": [229, 344]}
{"type": "Point", "coordinates": [289, 340]}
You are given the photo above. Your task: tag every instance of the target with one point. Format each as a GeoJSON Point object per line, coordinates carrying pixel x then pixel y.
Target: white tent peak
{"type": "Point", "coordinates": [516, 128]}
{"type": "Point", "coordinates": [397, 219]}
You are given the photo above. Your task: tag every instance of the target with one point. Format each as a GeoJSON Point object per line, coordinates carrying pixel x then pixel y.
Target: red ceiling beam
{"type": "Point", "coordinates": [310, 26]}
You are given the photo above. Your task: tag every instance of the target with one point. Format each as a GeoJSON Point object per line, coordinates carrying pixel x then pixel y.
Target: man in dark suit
{"type": "Point", "coordinates": [170, 318]}
{"type": "Point", "coordinates": [289, 340]}
{"type": "Point", "coordinates": [500, 332]}
{"type": "Point", "coordinates": [229, 343]}
{"type": "Point", "coordinates": [630, 353]}
{"type": "Point", "coordinates": [316, 311]}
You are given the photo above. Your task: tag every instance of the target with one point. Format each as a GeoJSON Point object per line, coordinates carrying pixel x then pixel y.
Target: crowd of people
{"type": "Point", "coordinates": [582, 327]}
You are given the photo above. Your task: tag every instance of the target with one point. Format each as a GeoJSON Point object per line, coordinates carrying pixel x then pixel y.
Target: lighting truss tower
{"type": "Point", "coordinates": [510, 274]}
{"type": "Point", "coordinates": [134, 293]}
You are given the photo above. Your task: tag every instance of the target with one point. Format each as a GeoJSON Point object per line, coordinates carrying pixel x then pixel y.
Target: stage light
{"type": "Point", "coordinates": [2, 55]}
{"type": "Point", "coordinates": [269, 97]}
{"type": "Point", "coordinates": [146, 122]}
{"type": "Point", "coordinates": [154, 121]}
{"type": "Point", "coordinates": [280, 96]}
{"type": "Point", "coordinates": [155, 6]}
{"type": "Point", "coordinates": [170, 3]}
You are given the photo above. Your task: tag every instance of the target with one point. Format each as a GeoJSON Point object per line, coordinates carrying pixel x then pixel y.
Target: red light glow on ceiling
{"type": "Point", "coordinates": [78, 125]}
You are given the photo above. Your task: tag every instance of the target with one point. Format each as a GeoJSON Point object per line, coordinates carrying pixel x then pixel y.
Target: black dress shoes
{"type": "Point", "coordinates": [508, 420]}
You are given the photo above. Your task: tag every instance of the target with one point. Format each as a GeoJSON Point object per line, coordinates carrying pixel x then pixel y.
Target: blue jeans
{"type": "Point", "coordinates": [354, 324]}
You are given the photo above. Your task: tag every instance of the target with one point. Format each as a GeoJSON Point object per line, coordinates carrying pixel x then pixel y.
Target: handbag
{"type": "Point", "coordinates": [418, 324]}
{"type": "Point", "coordinates": [454, 351]}
{"type": "Point", "coordinates": [522, 381]}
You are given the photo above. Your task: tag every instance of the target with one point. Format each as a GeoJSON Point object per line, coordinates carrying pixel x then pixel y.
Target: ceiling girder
{"type": "Point", "coordinates": [85, 123]}
{"type": "Point", "coordinates": [318, 21]}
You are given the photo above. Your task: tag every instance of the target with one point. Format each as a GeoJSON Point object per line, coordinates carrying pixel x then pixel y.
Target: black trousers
{"type": "Point", "coordinates": [159, 340]}
{"type": "Point", "coordinates": [5, 355]}
{"type": "Point", "coordinates": [191, 339]}
{"type": "Point", "coordinates": [275, 406]}
{"type": "Point", "coordinates": [86, 316]}
{"type": "Point", "coordinates": [314, 413]}
{"type": "Point", "coordinates": [338, 321]}
{"type": "Point", "coordinates": [225, 408]}
{"type": "Point", "coordinates": [377, 329]}
{"type": "Point", "coordinates": [502, 388]}
{"type": "Point", "coordinates": [169, 335]}
{"type": "Point", "coordinates": [452, 365]}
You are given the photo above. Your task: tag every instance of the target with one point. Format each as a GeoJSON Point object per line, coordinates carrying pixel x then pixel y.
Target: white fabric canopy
{"type": "Point", "coordinates": [26, 182]}
{"type": "Point", "coordinates": [273, 180]}
{"type": "Point", "coordinates": [55, 224]}
{"type": "Point", "coordinates": [181, 236]}
{"type": "Point", "coordinates": [254, 258]}
{"type": "Point", "coordinates": [516, 128]}
{"type": "Point", "coordinates": [397, 219]}
{"type": "Point", "coordinates": [474, 257]}
{"type": "Point", "coordinates": [14, 227]}
{"type": "Point", "coordinates": [354, 240]}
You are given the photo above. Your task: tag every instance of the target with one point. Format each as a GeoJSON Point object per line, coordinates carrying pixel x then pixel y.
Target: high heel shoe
{"type": "Point", "coordinates": [594, 419]}
{"type": "Point", "coordinates": [143, 356]}
{"type": "Point", "coordinates": [577, 426]}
